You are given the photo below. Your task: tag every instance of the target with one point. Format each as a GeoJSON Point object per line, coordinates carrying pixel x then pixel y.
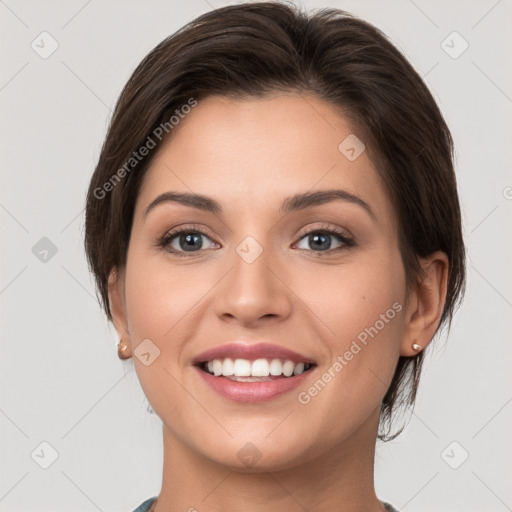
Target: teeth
{"type": "Point", "coordinates": [217, 367]}
{"type": "Point", "coordinates": [258, 368]}
{"type": "Point", "coordinates": [242, 368]}
{"type": "Point", "coordinates": [288, 368]}
{"type": "Point", "coordinates": [228, 367]}
{"type": "Point", "coordinates": [299, 368]}
{"type": "Point", "coordinates": [276, 367]}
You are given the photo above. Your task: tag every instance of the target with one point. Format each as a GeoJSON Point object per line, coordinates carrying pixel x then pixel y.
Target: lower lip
{"type": "Point", "coordinates": [252, 391]}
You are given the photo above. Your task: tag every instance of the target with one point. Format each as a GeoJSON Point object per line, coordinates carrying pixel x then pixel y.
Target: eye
{"type": "Point", "coordinates": [187, 240]}
{"type": "Point", "coordinates": [184, 240]}
{"type": "Point", "coordinates": [320, 239]}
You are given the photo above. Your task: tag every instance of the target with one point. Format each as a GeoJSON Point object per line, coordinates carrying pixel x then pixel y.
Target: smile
{"type": "Point", "coordinates": [252, 372]}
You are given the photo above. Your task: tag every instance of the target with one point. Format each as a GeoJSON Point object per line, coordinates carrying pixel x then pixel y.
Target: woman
{"type": "Point", "coordinates": [274, 229]}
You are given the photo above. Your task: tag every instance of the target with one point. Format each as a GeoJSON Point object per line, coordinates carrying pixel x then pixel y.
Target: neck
{"type": "Point", "coordinates": [339, 480]}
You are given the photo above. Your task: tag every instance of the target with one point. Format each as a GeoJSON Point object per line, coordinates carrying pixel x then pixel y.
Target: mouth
{"type": "Point", "coordinates": [252, 372]}
{"type": "Point", "coordinates": [255, 381]}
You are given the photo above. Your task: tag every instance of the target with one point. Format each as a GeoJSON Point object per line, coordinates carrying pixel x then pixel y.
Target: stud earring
{"type": "Point", "coordinates": [121, 351]}
{"type": "Point", "coordinates": [416, 347]}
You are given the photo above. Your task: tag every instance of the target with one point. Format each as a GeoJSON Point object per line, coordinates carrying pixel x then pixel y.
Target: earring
{"type": "Point", "coordinates": [416, 347]}
{"type": "Point", "coordinates": [121, 351]}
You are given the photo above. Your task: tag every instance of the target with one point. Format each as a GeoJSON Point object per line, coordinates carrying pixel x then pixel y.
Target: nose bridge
{"type": "Point", "coordinates": [252, 289]}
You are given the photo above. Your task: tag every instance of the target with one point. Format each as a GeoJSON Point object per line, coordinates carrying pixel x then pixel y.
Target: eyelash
{"type": "Point", "coordinates": [341, 235]}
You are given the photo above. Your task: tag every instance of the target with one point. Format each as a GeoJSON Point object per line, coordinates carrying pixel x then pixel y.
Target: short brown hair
{"type": "Point", "coordinates": [253, 49]}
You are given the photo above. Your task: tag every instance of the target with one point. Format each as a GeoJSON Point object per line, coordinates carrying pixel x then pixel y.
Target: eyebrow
{"type": "Point", "coordinates": [290, 204]}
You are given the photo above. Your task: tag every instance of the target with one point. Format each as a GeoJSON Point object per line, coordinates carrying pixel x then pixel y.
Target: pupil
{"type": "Point", "coordinates": [314, 239]}
{"type": "Point", "coordinates": [189, 240]}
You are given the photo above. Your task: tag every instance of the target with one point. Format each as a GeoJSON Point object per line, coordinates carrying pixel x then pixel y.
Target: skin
{"type": "Point", "coordinates": [249, 155]}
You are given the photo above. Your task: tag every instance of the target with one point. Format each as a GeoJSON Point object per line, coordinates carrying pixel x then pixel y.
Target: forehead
{"type": "Point", "coordinates": [248, 153]}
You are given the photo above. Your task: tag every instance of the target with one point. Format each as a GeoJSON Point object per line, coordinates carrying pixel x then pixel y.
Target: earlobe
{"type": "Point", "coordinates": [118, 311]}
{"type": "Point", "coordinates": [426, 303]}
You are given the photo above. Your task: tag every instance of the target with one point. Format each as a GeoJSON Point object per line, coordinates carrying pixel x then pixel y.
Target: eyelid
{"type": "Point", "coordinates": [325, 227]}
{"type": "Point", "coordinates": [196, 228]}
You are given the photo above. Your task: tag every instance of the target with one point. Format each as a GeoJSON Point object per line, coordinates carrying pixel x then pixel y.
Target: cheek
{"type": "Point", "coordinates": [160, 304]}
{"type": "Point", "coordinates": [158, 295]}
{"type": "Point", "coordinates": [351, 297]}
{"type": "Point", "coordinates": [362, 305]}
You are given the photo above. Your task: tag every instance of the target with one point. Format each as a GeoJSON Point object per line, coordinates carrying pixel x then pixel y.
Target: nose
{"type": "Point", "coordinates": [254, 291]}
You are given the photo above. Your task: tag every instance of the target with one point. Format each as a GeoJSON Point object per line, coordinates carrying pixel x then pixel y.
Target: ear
{"type": "Point", "coordinates": [118, 308]}
{"type": "Point", "coordinates": [425, 304]}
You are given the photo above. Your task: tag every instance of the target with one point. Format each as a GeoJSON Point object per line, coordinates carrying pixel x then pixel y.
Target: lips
{"type": "Point", "coordinates": [252, 372]}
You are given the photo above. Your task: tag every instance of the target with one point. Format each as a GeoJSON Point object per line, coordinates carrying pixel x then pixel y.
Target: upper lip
{"type": "Point", "coordinates": [251, 351]}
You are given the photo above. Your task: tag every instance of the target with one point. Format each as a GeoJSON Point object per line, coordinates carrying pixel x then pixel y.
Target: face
{"type": "Point", "coordinates": [314, 282]}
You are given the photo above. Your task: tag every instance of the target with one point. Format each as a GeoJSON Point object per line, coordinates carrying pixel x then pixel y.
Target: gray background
{"type": "Point", "coordinates": [61, 380]}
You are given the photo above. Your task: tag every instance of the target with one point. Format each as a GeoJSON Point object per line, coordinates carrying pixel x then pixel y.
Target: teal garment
{"type": "Point", "coordinates": [143, 507]}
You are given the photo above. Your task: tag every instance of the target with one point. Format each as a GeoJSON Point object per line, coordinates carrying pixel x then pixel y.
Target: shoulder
{"type": "Point", "coordinates": [143, 507]}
